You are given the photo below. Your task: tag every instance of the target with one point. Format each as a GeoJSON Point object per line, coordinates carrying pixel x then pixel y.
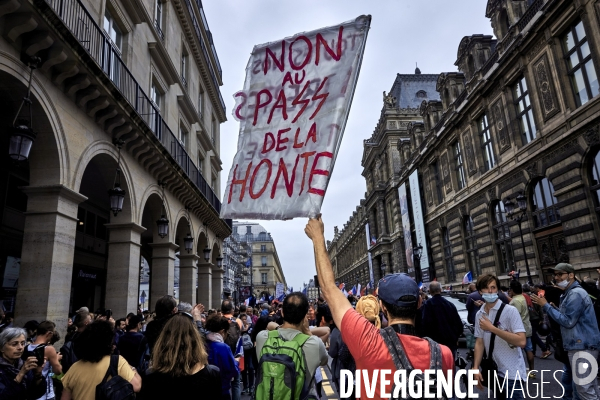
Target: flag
{"type": "Point", "coordinates": [353, 290]}
{"type": "Point", "coordinates": [249, 262]}
{"type": "Point", "coordinates": [468, 278]}
{"type": "Point", "coordinates": [450, 288]}
{"type": "Point", "coordinates": [247, 301]}
{"type": "Point", "coordinates": [358, 289]}
{"type": "Point", "coordinates": [373, 240]}
{"type": "Point", "coordinates": [271, 297]}
{"type": "Point", "coordinates": [345, 293]}
{"type": "Point", "coordinates": [341, 286]}
{"type": "Point", "coordinates": [362, 292]}
{"type": "Point", "coordinates": [420, 285]}
{"type": "Point", "coordinates": [280, 298]}
{"type": "Point", "coordinates": [304, 290]}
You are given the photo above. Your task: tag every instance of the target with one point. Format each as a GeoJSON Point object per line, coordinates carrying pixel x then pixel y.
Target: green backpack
{"type": "Point", "coordinates": [282, 369]}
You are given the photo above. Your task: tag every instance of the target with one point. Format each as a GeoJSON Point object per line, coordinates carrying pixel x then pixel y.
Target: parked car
{"type": "Point", "coordinates": [459, 300]}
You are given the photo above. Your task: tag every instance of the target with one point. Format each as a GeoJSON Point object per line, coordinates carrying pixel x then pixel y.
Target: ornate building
{"type": "Point", "coordinates": [265, 269]}
{"type": "Point", "coordinates": [519, 123]}
{"type": "Point", "coordinates": [125, 94]}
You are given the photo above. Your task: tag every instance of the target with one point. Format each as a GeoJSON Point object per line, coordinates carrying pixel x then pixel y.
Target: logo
{"type": "Point", "coordinates": [585, 368]}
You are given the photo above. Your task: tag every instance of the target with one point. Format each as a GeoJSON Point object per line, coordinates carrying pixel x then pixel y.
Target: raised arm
{"type": "Point", "coordinates": [338, 304]}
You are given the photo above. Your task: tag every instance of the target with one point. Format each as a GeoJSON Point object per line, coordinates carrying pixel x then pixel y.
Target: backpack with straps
{"type": "Point", "coordinates": [233, 335]}
{"type": "Point", "coordinates": [247, 341]}
{"type": "Point", "coordinates": [282, 369]}
{"type": "Point", "coordinates": [401, 362]}
{"type": "Point", "coordinates": [115, 387]}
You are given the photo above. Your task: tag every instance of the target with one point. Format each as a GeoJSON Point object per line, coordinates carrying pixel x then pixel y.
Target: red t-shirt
{"type": "Point", "coordinates": [370, 351]}
{"type": "Point", "coordinates": [528, 300]}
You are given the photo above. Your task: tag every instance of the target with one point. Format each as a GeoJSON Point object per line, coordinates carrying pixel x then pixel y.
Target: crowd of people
{"type": "Point", "coordinates": [276, 350]}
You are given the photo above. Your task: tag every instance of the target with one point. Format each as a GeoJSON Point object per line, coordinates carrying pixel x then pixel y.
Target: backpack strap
{"type": "Point", "coordinates": [113, 368]}
{"type": "Point", "coordinates": [493, 338]}
{"type": "Point", "coordinates": [396, 349]}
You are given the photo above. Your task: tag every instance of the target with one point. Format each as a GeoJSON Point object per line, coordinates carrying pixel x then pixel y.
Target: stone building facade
{"type": "Point", "coordinates": [520, 117]}
{"type": "Point", "coordinates": [143, 72]}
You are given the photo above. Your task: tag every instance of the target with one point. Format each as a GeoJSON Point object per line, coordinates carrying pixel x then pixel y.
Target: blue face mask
{"type": "Point", "coordinates": [490, 297]}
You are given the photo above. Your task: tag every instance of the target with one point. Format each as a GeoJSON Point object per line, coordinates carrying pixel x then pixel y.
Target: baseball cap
{"type": "Point", "coordinates": [563, 267]}
{"type": "Point", "coordinates": [395, 286]}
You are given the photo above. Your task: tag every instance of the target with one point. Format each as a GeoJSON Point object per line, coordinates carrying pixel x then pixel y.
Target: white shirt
{"type": "Point", "coordinates": [509, 360]}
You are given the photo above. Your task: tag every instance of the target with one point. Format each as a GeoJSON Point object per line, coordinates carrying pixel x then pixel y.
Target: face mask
{"type": "Point", "coordinates": [490, 297]}
{"type": "Point", "coordinates": [562, 284]}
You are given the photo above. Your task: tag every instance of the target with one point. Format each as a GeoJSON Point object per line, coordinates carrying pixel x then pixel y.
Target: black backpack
{"type": "Point", "coordinates": [68, 354]}
{"type": "Point", "coordinates": [115, 388]}
{"type": "Point", "coordinates": [401, 362]}
{"type": "Point", "coordinates": [233, 335]}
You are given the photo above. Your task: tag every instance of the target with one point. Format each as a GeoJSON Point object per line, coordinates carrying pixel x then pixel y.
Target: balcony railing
{"type": "Point", "coordinates": [204, 51]}
{"type": "Point", "coordinates": [212, 45]}
{"type": "Point", "coordinates": [159, 30]}
{"type": "Point", "coordinates": [531, 11]}
{"type": "Point", "coordinates": [101, 49]}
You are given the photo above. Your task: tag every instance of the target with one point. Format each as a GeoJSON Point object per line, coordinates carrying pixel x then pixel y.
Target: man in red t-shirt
{"type": "Point", "coordinates": [399, 299]}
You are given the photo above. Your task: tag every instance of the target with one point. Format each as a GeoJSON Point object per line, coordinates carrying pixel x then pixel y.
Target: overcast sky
{"type": "Point", "coordinates": [402, 32]}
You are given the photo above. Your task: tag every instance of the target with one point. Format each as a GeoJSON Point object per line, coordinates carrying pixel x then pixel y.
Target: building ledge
{"type": "Point", "coordinates": [163, 61]}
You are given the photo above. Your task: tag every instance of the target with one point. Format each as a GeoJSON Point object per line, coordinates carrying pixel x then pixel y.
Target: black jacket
{"type": "Point", "coordinates": [441, 321]}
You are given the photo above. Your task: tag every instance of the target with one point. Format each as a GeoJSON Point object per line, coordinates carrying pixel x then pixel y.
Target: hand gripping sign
{"type": "Point", "coordinates": [292, 115]}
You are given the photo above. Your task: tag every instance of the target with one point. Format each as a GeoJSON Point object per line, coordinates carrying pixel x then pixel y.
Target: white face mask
{"type": "Point", "coordinates": [562, 284]}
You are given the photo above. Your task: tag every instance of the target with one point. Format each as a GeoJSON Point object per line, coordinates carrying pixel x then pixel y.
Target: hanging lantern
{"type": "Point", "coordinates": [509, 206]}
{"type": "Point", "coordinates": [163, 226]}
{"type": "Point", "coordinates": [522, 202]}
{"type": "Point", "coordinates": [220, 262]}
{"type": "Point", "coordinates": [188, 242]}
{"type": "Point", "coordinates": [116, 194]}
{"type": "Point", "coordinates": [206, 252]}
{"type": "Point", "coordinates": [21, 134]}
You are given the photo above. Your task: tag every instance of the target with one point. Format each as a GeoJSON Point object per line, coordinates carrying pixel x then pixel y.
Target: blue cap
{"type": "Point", "coordinates": [395, 286]}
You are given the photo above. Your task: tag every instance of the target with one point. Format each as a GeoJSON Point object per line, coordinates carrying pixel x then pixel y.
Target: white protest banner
{"type": "Point", "coordinates": [292, 113]}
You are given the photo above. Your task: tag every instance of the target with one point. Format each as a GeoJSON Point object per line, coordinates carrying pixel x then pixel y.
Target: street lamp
{"type": "Point", "coordinates": [163, 222]}
{"type": "Point", "coordinates": [220, 262]}
{"type": "Point", "coordinates": [417, 253]}
{"type": "Point", "coordinates": [21, 133]}
{"type": "Point", "coordinates": [517, 213]}
{"type": "Point", "coordinates": [116, 194]}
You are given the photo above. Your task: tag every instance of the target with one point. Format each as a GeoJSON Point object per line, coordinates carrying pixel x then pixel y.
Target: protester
{"type": "Point", "coordinates": [502, 324]}
{"type": "Point", "coordinates": [520, 303]}
{"type": "Point", "coordinates": [440, 319]}
{"type": "Point", "coordinates": [165, 307]}
{"type": "Point", "coordinates": [68, 351]}
{"type": "Point", "coordinates": [399, 299]}
{"type": "Point", "coordinates": [234, 333]}
{"type": "Point", "coordinates": [536, 318]}
{"type": "Point", "coordinates": [94, 348]}
{"type": "Point", "coordinates": [294, 312]}
{"type": "Point", "coordinates": [312, 319]}
{"type": "Point", "coordinates": [475, 301]}
{"type": "Point", "coordinates": [180, 364]}
{"type": "Point", "coordinates": [220, 354]}
{"type": "Point", "coordinates": [578, 324]}
{"type": "Point", "coordinates": [19, 380]}
{"type": "Point", "coordinates": [248, 345]}
{"type": "Point", "coordinates": [133, 345]}
{"type": "Point", "coordinates": [45, 333]}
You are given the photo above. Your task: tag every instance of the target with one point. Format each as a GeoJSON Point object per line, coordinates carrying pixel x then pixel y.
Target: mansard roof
{"type": "Point", "coordinates": [411, 89]}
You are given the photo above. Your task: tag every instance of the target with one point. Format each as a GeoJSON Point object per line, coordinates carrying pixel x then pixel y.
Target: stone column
{"type": "Point", "coordinates": [204, 294]}
{"type": "Point", "coordinates": [385, 258]}
{"type": "Point", "coordinates": [381, 218]}
{"type": "Point", "coordinates": [376, 270]}
{"type": "Point", "coordinates": [47, 255]}
{"type": "Point", "coordinates": [162, 272]}
{"type": "Point", "coordinates": [188, 276]}
{"type": "Point", "coordinates": [123, 267]}
{"type": "Point", "coordinates": [217, 286]}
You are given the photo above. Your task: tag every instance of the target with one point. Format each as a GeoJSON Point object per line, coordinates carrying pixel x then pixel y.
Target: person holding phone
{"type": "Point", "coordinates": [19, 379]}
{"type": "Point", "coordinates": [40, 348]}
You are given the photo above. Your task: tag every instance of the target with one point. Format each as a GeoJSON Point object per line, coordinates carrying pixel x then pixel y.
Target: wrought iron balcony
{"type": "Point", "coordinates": [92, 38]}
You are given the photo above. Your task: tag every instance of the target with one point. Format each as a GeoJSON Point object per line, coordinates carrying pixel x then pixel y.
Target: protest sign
{"type": "Point", "coordinates": [292, 113]}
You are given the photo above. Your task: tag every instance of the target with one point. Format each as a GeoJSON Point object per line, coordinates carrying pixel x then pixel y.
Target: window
{"type": "Point", "coordinates": [544, 209]}
{"type": "Point", "coordinates": [112, 30]}
{"type": "Point", "coordinates": [200, 102]}
{"type": "Point", "coordinates": [435, 170]}
{"type": "Point", "coordinates": [213, 129]}
{"type": "Point", "coordinates": [263, 278]}
{"type": "Point", "coordinates": [183, 71]}
{"type": "Point", "coordinates": [472, 250]}
{"type": "Point", "coordinates": [595, 184]}
{"type": "Point", "coordinates": [448, 256]}
{"type": "Point", "coordinates": [200, 164]}
{"type": "Point", "coordinates": [183, 136]}
{"type": "Point", "coordinates": [579, 64]}
{"type": "Point", "coordinates": [156, 98]}
{"type": "Point", "coordinates": [213, 183]}
{"type": "Point", "coordinates": [263, 261]}
{"type": "Point", "coordinates": [263, 248]}
{"type": "Point", "coordinates": [489, 159]}
{"type": "Point", "coordinates": [460, 169]}
{"type": "Point", "coordinates": [158, 22]}
{"type": "Point", "coordinates": [248, 229]}
{"type": "Point", "coordinates": [524, 111]}
{"type": "Point", "coordinates": [502, 237]}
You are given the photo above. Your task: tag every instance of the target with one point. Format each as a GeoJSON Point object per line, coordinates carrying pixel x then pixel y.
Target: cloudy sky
{"type": "Point", "coordinates": [402, 32]}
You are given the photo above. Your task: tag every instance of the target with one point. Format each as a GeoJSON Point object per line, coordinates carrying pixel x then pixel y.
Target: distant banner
{"type": "Point", "coordinates": [415, 196]}
{"type": "Point", "coordinates": [292, 113]}
{"type": "Point", "coordinates": [406, 228]}
{"type": "Point", "coordinates": [278, 290]}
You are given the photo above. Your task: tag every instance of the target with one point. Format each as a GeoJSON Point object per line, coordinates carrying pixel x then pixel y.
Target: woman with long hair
{"type": "Point", "coordinates": [219, 353]}
{"type": "Point", "coordinates": [179, 364]}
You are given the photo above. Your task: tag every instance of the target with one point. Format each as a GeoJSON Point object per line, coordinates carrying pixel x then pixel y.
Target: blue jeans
{"type": "Point", "coordinates": [236, 388]}
{"type": "Point", "coordinates": [567, 383]}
